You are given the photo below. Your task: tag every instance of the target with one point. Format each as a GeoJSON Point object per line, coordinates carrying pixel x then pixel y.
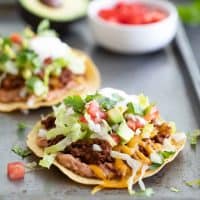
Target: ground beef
{"type": "Point", "coordinates": [57, 139]}
{"type": "Point", "coordinates": [164, 131]}
{"type": "Point", "coordinates": [43, 142]}
{"type": "Point", "coordinates": [83, 149]}
{"type": "Point", "coordinates": [11, 82]}
{"type": "Point", "coordinates": [65, 77]}
{"type": "Point", "coordinates": [48, 122]}
{"type": "Point", "coordinates": [143, 150]}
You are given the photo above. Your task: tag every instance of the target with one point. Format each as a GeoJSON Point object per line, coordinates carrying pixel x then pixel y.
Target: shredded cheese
{"type": "Point", "coordinates": [143, 157]}
{"type": "Point", "coordinates": [98, 171]}
{"type": "Point", "coordinates": [121, 166]}
{"type": "Point", "coordinates": [140, 182]}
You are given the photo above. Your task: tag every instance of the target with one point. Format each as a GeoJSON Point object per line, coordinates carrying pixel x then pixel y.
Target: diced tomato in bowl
{"type": "Point", "coordinates": [15, 170]}
{"type": "Point", "coordinates": [131, 13]}
{"type": "Point", "coordinates": [133, 26]}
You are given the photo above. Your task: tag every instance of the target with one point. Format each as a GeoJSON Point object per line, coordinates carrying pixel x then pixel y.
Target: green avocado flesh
{"type": "Point", "coordinates": [115, 116]}
{"type": "Point", "coordinates": [70, 10]}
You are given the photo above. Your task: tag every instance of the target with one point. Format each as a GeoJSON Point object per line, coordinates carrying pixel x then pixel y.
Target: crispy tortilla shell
{"type": "Point", "coordinates": [31, 143]}
{"type": "Point", "coordinates": [90, 83]}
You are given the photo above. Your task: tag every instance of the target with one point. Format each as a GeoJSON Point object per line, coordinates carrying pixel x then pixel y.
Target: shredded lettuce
{"type": "Point", "coordinates": [64, 116]}
{"type": "Point", "coordinates": [47, 160]}
{"type": "Point", "coordinates": [57, 131]}
{"type": "Point", "coordinates": [60, 146]}
{"type": "Point", "coordinates": [72, 132]}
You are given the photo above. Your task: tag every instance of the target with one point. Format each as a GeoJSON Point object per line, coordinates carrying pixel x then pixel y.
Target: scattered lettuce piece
{"type": "Point", "coordinates": [76, 102]}
{"type": "Point", "coordinates": [193, 137]}
{"type": "Point", "coordinates": [21, 127]}
{"type": "Point", "coordinates": [47, 160]}
{"type": "Point", "coordinates": [21, 151]}
{"type": "Point", "coordinates": [146, 193]}
{"type": "Point", "coordinates": [173, 189]}
{"type": "Point", "coordinates": [193, 183]}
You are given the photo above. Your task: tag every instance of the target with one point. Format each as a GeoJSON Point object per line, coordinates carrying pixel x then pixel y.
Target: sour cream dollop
{"type": "Point", "coordinates": [49, 46]}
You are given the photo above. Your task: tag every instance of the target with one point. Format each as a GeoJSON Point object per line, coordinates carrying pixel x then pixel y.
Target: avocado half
{"type": "Point", "coordinates": [33, 11]}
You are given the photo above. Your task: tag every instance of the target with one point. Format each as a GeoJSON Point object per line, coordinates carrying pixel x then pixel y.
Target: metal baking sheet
{"type": "Point", "coordinates": [162, 75]}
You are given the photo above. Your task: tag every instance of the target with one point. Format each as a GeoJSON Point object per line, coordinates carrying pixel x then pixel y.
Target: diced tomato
{"type": "Point", "coordinates": [107, 14]}
{"type": "Point", "coordinates": [153, 16]}
{"type": "Point", "coordinates": [134, 124]}
{"type": "Point", "coordinates": [82, 119]}
{"type": "Point", "coordinates": [95, 112]}
{"type": "Point", "coordinates": [48, 61]}
{"type": "Point", "coordinates": [15, 170]}
{"type": "Point", "coordinates": [16, 38]}
{"type": "Point", "coordinates": [153, 114]}
{"type": "Point", "coordinates": [131, 124]}
{"type": "Point", "coordinates": [116, 138]}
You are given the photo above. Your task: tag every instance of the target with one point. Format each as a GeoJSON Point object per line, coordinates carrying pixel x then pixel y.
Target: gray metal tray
{"type": "Point", "coordinates": [165, 76]}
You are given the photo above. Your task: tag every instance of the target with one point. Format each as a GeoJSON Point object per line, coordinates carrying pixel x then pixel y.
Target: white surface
{"type": "Point", "coordinates": [133, 38]}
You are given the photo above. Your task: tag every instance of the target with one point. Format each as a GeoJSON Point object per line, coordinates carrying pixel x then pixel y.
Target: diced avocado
{"type": "Point", "coordinates": [115, 116]}
{"type": "Point", "coordinates": [125, 132]}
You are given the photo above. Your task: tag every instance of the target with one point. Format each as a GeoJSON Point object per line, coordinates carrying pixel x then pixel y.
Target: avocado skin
{"type": "Point", "coordinates": [34, 20]}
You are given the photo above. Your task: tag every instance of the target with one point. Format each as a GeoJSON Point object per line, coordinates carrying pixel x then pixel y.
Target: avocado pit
{"type": "Point", "coordinates": [53, 3]}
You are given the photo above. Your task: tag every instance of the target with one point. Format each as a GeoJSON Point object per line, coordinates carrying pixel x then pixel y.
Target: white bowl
{"type": "Point", "coordinates": [133, 38]}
